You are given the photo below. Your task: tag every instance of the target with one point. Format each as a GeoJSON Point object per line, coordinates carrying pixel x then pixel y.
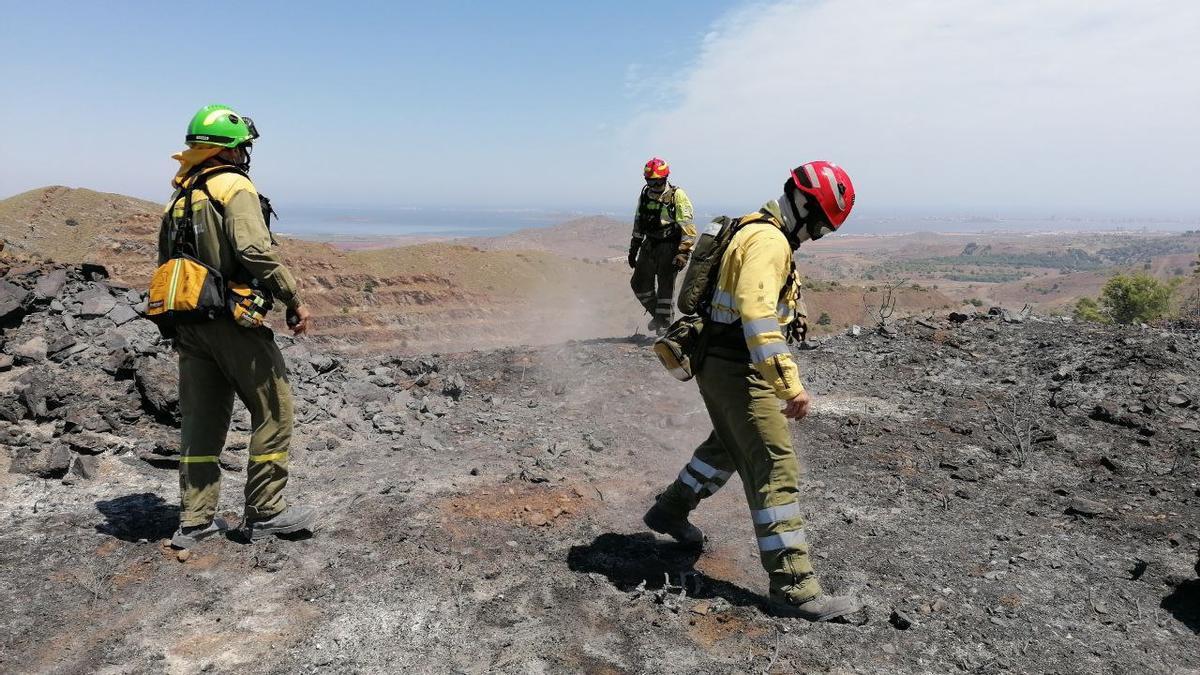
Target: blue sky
{"type": "Point", "coordinates": [460, 91]}
{"type": "Point", "coordinates": [1032, 106]}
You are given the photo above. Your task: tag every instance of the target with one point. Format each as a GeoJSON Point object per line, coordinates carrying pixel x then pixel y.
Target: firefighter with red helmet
{"type": "Point", "coordinates": [663, 235]}
{"type": "Point", "coordinates": [751, 387]}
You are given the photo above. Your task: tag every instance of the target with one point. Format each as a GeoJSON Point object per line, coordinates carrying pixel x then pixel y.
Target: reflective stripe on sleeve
{"type": "Point", "coordinates": [793, 539]}
{"type": "Point", "coordinates": [760, 326]}
{"type": "Point", "coordinates": [761, 353]}
{"type": "Point", "coordinates": [775, 514]}
{"type": "Point", "coordinates": [198, 459]}
{"type": "Point", "coordinates": [271, 457]}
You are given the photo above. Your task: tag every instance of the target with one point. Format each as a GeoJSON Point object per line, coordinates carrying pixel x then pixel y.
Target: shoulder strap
{"type": "Point", "coordinates": [668, 200]}
{"type": "Point", "coordinates": [203, 184]}
{"type": "Point", "coordinates": [185, 229]}
{"type": "Point", "coordinates": [725, 236]}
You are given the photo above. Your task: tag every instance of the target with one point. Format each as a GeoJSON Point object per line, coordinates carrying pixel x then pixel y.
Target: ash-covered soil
{"type": "Point", "coordinates": [1004, 496]}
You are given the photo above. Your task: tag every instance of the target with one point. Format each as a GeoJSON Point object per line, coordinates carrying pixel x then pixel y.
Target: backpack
{"type": "Point", "coordinates": [700, 280]}
{"type": "Point", "coordinates": [682, 349]}
{"type": "Point", "coordinates": [186, 290]}
{"type": "Point", "coordinates": [654, 228]}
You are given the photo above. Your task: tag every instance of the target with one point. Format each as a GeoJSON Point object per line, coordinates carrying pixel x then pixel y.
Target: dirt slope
{"type": "Point", "coordinates": [482, 508]}
{"type": "Point", "coordinates": [591, 238]}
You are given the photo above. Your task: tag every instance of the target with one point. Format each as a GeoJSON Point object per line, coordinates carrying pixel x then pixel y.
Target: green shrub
{"type": "Point", "coordinates": [1135, 298]}
{"type": "Point", "coordinates": [824, 320]}
{"type": "Point", "coordinates": [1086, 309]}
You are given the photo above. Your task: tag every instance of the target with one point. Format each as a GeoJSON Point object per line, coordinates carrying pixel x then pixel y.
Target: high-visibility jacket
{"type": "Point", "coordinates": [232, 238]}
{"type": "Point", "coordinates": [660, 217]}
{"type": "Point", "coordinates": [751, 289]}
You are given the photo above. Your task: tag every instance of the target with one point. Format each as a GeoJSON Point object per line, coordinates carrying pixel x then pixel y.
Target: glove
{"type": "Point", "coordinates": [680, 261]}
{"type": "Point", "coordinates": [634, 245]}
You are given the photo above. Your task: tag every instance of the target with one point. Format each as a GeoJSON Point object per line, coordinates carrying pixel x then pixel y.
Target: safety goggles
{"type": "Point", "coordinates": [250, 126]}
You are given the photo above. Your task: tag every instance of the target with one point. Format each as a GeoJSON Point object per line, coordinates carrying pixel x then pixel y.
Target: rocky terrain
{"type": "Point", "coordinates": [1006, 493]}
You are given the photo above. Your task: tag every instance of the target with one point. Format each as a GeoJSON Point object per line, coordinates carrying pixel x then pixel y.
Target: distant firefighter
{"type": "Point", "coordinates": [663, 235]}
{"type": "Point", "coordinates": [219, 274]}
{"type": "Point", "coordinates": [750, 308]}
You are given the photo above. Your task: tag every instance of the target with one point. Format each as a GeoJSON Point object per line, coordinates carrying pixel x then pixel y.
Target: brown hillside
{"type": "Point", "coordinates": [406, 298]}
{"type": "Point", "coordinates": [78, 225]}
{"type": "Point", "coordinates": [590, 238]}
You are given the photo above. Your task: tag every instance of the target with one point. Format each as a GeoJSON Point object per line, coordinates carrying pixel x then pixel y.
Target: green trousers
{"type": "Point", "coordinates": [750, 436]}
{"type": "Point", "coordinates": [218, 360]}
{"type": "Point", "coordinates": [653, 279]}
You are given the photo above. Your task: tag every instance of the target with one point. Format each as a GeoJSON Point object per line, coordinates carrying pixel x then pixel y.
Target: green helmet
{"type": "Point", "coordinates": [220, 125]}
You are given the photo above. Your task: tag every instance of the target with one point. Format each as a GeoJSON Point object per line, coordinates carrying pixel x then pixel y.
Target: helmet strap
{"type": "Point", "coordinates": [244, 152]}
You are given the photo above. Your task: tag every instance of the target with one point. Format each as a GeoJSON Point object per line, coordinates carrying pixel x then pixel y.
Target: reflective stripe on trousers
{"type": "Point", "coordinates": [715, 479]}
{"type": "Point", "coordinates": [779, 514]}
{"type": "Point", "coordinates": [795, 539]}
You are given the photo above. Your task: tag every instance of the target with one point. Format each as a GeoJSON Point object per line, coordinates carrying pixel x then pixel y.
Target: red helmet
{"type": "Point", "coordinates": [829, 186]}
{"type": "Point", "coordinates": [657, 168]}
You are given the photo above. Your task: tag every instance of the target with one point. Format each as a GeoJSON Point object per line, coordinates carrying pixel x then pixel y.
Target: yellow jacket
{"type": "Point", "coordinates": [233, 239]}
{"type": "Point", "coordinates": [655, 217]}
{"type": "Point", "coordinates": [753, 272]}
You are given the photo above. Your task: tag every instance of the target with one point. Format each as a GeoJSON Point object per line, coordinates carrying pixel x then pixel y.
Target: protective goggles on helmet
{"type": "Point", "coordinates": [251, 128]}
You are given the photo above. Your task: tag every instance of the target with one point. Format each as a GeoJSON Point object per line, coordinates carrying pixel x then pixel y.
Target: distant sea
{"type": "Point", "coordinates": [324, 223]}
{"type": "Point", "coordinates": [334, 223]}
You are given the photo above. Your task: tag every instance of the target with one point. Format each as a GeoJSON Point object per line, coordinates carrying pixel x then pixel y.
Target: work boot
{"type": "Point", "coordinates": [655, 325]}
{"type": "Point", "coordinates": [678, 528]}
{"type": "Point", "coordinates": [821, 608]}
{"type": "Point", "coordinates": [290, 520]}
{"type": "Point", "coordinates": [187, 537]}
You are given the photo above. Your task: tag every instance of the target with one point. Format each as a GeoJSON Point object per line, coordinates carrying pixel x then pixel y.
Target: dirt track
{"type": "Point", "coordinates": [483, 516]}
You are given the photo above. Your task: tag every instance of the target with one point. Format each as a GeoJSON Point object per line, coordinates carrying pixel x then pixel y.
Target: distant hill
{"type": "Point", "coordinates": [79, 225]}
{"type": "Point", "coordinates": [589, 238]}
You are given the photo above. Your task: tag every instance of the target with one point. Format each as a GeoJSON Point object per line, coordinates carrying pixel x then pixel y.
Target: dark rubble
{"type": "Point", "coordinates": [1005, 495]}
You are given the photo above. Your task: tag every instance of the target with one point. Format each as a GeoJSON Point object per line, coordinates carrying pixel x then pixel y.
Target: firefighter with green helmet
{"type": "Point", "coordinates": [217, 218]}
{"type": "Point", "coordinates": [663, 236]}
{"type": "Point", "coordinates": [751, 387]}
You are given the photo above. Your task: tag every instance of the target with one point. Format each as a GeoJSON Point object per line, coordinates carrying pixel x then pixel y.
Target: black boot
{"type": "Point", "coordinates": [677, 527]}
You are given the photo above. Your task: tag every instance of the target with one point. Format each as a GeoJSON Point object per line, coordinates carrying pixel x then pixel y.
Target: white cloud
{"type": "Point", "coordinates": [1023, 104]}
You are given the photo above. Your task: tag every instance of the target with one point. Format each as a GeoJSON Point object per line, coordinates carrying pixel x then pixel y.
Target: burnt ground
{"type": "Point", "coordinates": [1005, 497]}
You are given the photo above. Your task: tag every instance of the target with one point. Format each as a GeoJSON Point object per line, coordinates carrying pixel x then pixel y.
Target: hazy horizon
{"type": "Point", "coordinates": [329, 221]}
